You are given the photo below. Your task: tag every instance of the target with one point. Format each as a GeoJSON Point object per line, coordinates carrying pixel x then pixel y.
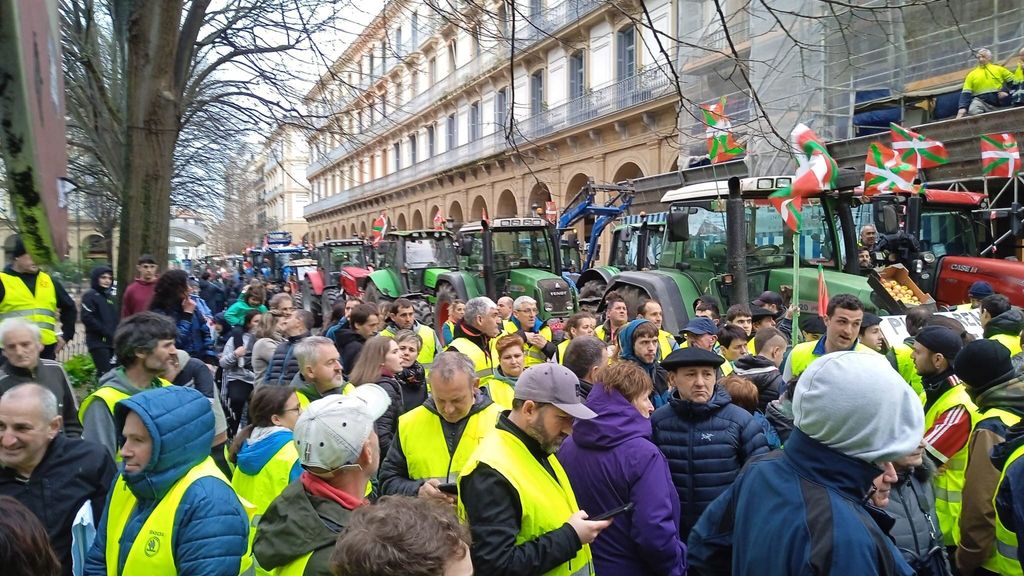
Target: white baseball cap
{"type": "Point", "coordinates": [331, 431]}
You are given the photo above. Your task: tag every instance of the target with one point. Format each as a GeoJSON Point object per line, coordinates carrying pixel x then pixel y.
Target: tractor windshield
{"type": "Point", "coordinates": [347, 256]}
{"type": "Point", "coordinates": [429, 252]}
{"type": "Point", "coordinates": [522, 248]}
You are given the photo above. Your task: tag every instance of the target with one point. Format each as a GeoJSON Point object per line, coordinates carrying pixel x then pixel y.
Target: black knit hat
{"type": "Point", "coordinates": [19, 249]}
{"type": "Point", "coordinates": [869, 321]}
{"type": "Point", "coordinates": [982, 364]}
{"type": "Point", "coordinates": [941, 340]}
{"type": "Point", "coordinates": [812, 323]}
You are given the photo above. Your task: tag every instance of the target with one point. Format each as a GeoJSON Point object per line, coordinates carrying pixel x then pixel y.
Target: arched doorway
{"type": "Point", "coordinates": [417, 220]}
{"type": "Point", "coordinates": [402, 223]}
{"type": "Point", "coordinates": [352, 230]}
{"type": "Point", "coordinates": [506, 205]}
{"type": "Point", "coordinates": [476, 213]}
{"type": "Point", "coordinates": [540, 195]}
{"type": "Point", "coordinates": [334, 233]}
{"type": "Point", "coordinates": [576, 183]}
{"type": "Point", "coordinates": [628, 171]}
{"type": "Point", "coordinates": [455, 213]}
{"type": "Point", "coordinates": [434, 211]}
{"type": "Point", "coordinates": [363, 230]}
{"type": "Point", "coordinates": [95, 247]}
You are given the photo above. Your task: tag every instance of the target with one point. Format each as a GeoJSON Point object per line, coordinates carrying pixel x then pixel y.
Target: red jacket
{"type": "Point", "coordinates": [137, 297]}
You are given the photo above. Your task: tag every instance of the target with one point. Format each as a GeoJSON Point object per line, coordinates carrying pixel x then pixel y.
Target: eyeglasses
{"type": "Point", "coordinates": [297, 410]}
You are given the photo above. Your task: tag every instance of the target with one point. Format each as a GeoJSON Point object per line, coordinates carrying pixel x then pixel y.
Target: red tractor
{"type": "Point", "coordinates": [343, 267]}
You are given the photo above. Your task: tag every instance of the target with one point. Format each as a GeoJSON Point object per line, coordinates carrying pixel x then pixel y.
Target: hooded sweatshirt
{"type": "Point", "coordinates": [764, 374]}
{"type": "Point", "coordinates": [98, 422]}
{"type": "Point", "coordinates": [611, 460]}
{"type": "Point", "coordinates": [137, 297]}
{"type": "Point", "coordinates": [211, 529]}
{"type": "Point", "coordinates": [99, 312]}
{"type": "Point", "coordinates": [1008, 323]}
{"type": "Point", "coordinates": [349, 344]}
{"type": "Point", "coordinates": [261, 446]}
{"type": "Point", "coordinates": [659, 397]}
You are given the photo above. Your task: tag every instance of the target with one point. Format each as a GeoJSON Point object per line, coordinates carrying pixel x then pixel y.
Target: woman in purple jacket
{"type": "Point", "coordinates": [611, 461]}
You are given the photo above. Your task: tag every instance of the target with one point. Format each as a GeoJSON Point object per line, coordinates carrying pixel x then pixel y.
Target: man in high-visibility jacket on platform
{"type": "Point", "coordinates": [540, 346]}
{"type": "Point", "coordinates": [651, 310]}
{"type": "Point", "coordinates": [339, 453]}
{"type": "Point", "coordinates": [948, 420]}
{"type": "Point", "coordinates": [32, 295]}
{"type": "Point", "coordinates": [985, 368]}
{"type": "Point", "coordinates": [435, 440]}
{"type": "Point", "coordinates": [1002, 322]}
{"type": "Point", "coordinates": [402, 316]}
{"type": "Point", "coordinates": [170, 510]}
{"type": "Point", "coordinates": [986, 88]}
{"type": "Point", "coordinates": [975, 294]}
{"type": "Point", "coordinates": [514, 494]}
{"type": "Point", "coordinates": [844, 315]}
{"type": "Point", "coordinates": [143, 346]}
{"type": "Point", "coordinates": [475, 336]}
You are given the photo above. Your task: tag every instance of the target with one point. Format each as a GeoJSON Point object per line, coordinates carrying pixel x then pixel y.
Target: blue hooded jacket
{"type": "Point", "coordinates": [610, 460]}
{"type": "Point", "coordinates": [659, 397]}
{"type": "Point", "coordinates": [211, 528]}
{"type": "Point", "coordinates": [253, 456]}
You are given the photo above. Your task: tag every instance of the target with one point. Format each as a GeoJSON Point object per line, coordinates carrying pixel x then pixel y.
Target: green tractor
{"type": "Point", "coordinates": [410, 263]}
{"type": "Point", "coordinates": [508, 256]}
{"type": "Point", "coordinates": [711, 244]}
{"type": "Point", "coordinates": [634, 236]}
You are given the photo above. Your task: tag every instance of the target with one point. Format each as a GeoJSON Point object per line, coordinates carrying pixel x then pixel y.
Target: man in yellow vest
{"type": "Point", "coordinates": [651, 310]}
{"type": "Point", "coordinates": [170, 510]}
{"type": "Point", "coordinates": [540, 346]}
{"type": "Point", "coordinates": [844, 315]}
{"type": "Point", "coordinates": [505, 304]}
{"type": "Point", "coordinates": [475, 336]}
{"type": "Point", "coordinates": [616, 315]}
{"type": "Point", "coordinates": [899, 354]}
{"type": "Point", "coordinates": [986, 87]}
{"type": "Point", "coordinates": [319, 370]}
{"type": "Point", "coordinates": [339, 453]}
{"type": "Point", "coordinates": [27, 292]}
{"type": "Point", "coordinates": [1002, 322]}
{"type": "Point", "coordinates": [985, 369]}
{"type": "Point", "coordinates": [456, 310]}
{"type": "Point", "coordinates": [143, 346]}
{"type": "Point", "coordinates": [402, 316]}
{"type": "Point", "coordinates": [514, 494]}
{"type": "Point", "coordinates": [975, 294]}
{"type": "Point", "coordinates": [948, 419]}
{"type": "Point", "coordinates": [435, 440]}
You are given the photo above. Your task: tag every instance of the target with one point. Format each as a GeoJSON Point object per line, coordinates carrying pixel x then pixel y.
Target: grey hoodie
{"type": "Point", "coordinates": [98, 421]}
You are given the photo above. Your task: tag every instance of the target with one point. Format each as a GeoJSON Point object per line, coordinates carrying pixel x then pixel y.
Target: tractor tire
{"type": "Point", "coordinates": [446, 294]}
{"type": "Point", "coordinates": [591, 294]}
{"type": "Point", "coordinates": [633, 297]}
{"type": "Point", "coordinates": [310, 303]}
{"type": "Point", "coordinates": [423, 310]}
{"type": "Point", "coordinates": [327, 302]}
{"type": "Point", "coordinates": [373, 295]}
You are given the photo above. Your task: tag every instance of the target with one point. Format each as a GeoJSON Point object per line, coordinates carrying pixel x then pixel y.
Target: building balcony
{"type": "Point", "coordinates": [550, 21]}
{"type": "Point", "coordinates": [636, 90]}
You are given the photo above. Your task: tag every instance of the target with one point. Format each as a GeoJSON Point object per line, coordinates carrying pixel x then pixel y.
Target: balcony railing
{"type": "Point", "coordinates": [633, 91]}
{"type": "Point", "coordinates": [550, 21]}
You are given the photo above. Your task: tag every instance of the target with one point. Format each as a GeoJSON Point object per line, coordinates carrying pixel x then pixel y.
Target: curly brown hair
{"type": "Point", "coordinates": [400, 536]}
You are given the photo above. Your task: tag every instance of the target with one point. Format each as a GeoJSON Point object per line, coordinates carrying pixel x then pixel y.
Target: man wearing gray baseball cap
{"type": "Point", "coordinates": [339, 453]}
{"type": "Point", "coordinates": [514, 494]}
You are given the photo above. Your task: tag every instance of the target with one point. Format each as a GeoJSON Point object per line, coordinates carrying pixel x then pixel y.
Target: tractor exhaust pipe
{"type": "Point", "coordinates": [736, 242]}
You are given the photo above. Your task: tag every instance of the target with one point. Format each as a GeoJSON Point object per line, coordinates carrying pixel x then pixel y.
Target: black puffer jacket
{"type": "Point", "coordinates": [764, 374]}
{"type": "Point", "coordinates": [706, 445]}
{"type": "Point", "coordinates": [283, 364]}
{"type": "Point", "coordinates": [387, 425]}
{"type": "Point", "coordinates": [1010, 322]}
{"type": "Point", "coordinates": [99, 312]}
{"type": "Point", "coordinates": [349, 344]}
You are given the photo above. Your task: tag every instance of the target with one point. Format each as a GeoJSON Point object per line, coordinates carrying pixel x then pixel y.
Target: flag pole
{"type": "Point", "coordinates": [795, 328]}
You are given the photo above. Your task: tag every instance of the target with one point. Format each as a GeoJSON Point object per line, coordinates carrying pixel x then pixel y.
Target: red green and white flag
{"type": "Point", "coordinates": [438, 221]}
{"type": "Point", "coordinates": [722, 146]}
{"type": "Point", "coordinates": [916, 149]}
{"type": "Point", "coordinates": [379, 229]}
{"type": "Point", "coordinates": [789, 206]}
{"type": "Point", "coordinates": [814, 160]}
{"type": "Point", "coordinates": [885, 171]}
{"type": "Point", "coordinates": [1000, 156]}
{"type": "Point", "coordinates": [822, 293]}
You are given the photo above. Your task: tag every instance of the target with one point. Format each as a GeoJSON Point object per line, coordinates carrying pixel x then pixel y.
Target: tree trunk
{"type": "Point", "coordinates": [152, 131]}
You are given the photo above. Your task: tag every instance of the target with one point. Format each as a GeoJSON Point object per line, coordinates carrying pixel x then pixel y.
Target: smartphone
{"type": "Point", "coordinates": [613, 512]}
{"type": "Point", "coordinates": [449, 488]}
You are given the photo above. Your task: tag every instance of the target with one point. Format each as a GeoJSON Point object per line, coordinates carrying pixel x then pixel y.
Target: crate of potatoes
{"type": "Point", "coordinates": [896, 291]}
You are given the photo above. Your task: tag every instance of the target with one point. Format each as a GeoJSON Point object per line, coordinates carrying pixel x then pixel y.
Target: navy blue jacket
{"type": "Point", "coordinates": [211, 528]}
{"type": "Point", "coordinates": [706, 445]}
{"type": "Point", "coordinates": [797, 511]}
{"type": "Point", "coordinates": [194, 334]}
{"type": "Point", "coordinates": [610, 460]}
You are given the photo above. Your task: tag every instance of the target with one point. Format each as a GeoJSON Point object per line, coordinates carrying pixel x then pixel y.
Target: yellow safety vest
{"type": "Point", "coordinates": [750, 346]}
{"type": "Point", "coordinates": [949, 480]}
{"type": "Point", "coordinates": [111, 396]}
{"type": "Point", "coordinates": [965, 307]}
{"type": "Point", "coordinates": [481, 363]}
{"type": "Point", "coordinates": [665, 344]}
{"type": "Point", "coordinates": [986, 79]}
{"type": "Point", "coordinates": [304, 399]}
{"type": "Point", "coordinates": [602, 333]}
{"type": "Point", "coordinates": [562, 347]}
{"type": "Point", "coordinates": [428, 347]}
{"type": "Point", "coordinates": [423, 442]}
{"type": "Point", "coordinates": [905, 366]}
{"type": "Point", "coordinates": [1012, 343]}
{"type": "Point", "coordinates": [1009, 419]}
{"type": "Point", "coordinates": [508, 327]}
{"type": "Point", "coordinates": [546, 501]}
{"type": "Point", "coordinates": [803, 354]}
{"type": "Point", "coordinates": [501, 392]}
{"type": "Point", "coordinates": [451, 330]}
{"type": "Point", "coordinates": [39, 308]}
{"type": "Point", "coordinates": [261, 489]}
{"type": "Point", "coordinates": [152, 551]}
{"type": "Point", "coordinates": [536, 355]}
{"type": "Point", "coordinates": [1006, 539]}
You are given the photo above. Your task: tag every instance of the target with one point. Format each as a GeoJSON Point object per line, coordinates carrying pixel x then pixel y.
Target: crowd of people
{"type": "Point", "coordinates": [234, 437]}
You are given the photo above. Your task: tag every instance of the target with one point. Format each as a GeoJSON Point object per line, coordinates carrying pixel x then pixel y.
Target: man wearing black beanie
{"type": "Point", "coordinates": [984, 367]}
{"type": "Point", "coordinates": [947, 421]}
{"type": "Point", "coordinates": [32, 295]}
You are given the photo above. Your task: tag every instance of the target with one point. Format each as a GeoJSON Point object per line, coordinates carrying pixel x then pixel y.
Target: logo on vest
{"type": "Point", "coordinates": [153, 544]}
{"type": "Point", "coordinates": [707, 436]}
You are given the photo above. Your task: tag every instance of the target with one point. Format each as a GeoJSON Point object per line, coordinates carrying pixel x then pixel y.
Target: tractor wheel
{"type": "Point", "coordinates": [327, 302]}
{"type": "Point", "coordinates": [633, 296]}
{"type": "Point", "coordinates": [310, 303]}
{"type": "Point", "coordinates": [374, 296]}
{"type": "Point", "coordinates": [445, 296]}
{"type": "Point", "coordinates": [591, 294]}
{"type": "Point", "coordinates": [424, 311]}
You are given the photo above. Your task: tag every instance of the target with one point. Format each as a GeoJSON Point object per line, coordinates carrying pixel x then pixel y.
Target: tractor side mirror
{"type": "Point", "coordinates": [889, 223]}
{"type": "Point", "coordinates": [466, 246]}
{"type": "Point", "coordinates": [678, 225]}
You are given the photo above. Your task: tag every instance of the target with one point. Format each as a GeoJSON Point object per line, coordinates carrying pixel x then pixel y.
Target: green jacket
{"type": "Point", "coordinates": [296, 524]}
{"type": "Point", "coordinates": [235, 315]}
